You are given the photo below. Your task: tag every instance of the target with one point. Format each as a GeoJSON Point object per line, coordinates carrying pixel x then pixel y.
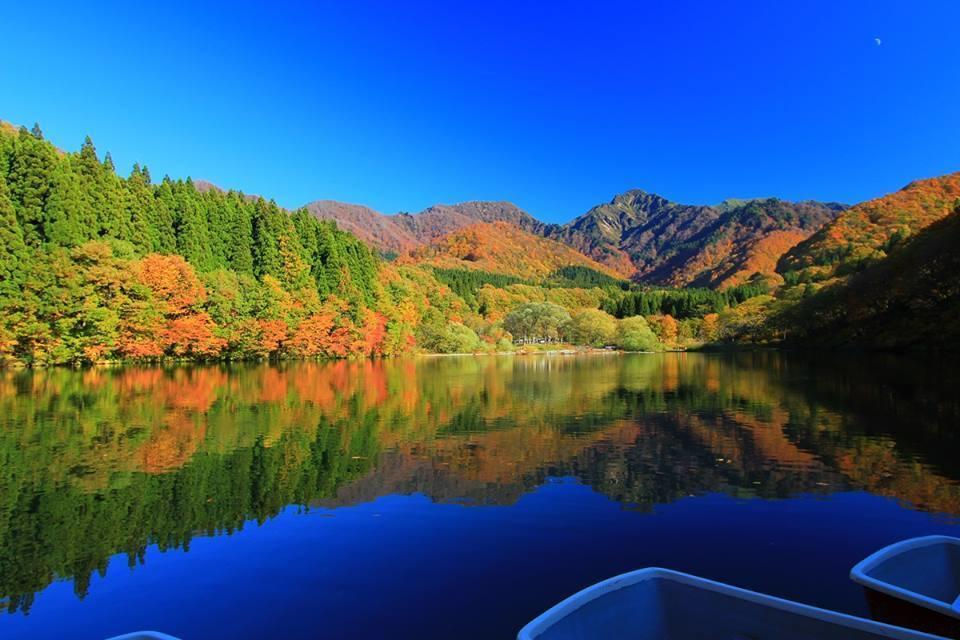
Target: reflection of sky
{"type": "Point", "coordinates": [403, 566]}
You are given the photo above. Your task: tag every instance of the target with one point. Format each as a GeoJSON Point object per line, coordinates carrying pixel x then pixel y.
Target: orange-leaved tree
{"type": "Point", "coordinates": [187, 329]}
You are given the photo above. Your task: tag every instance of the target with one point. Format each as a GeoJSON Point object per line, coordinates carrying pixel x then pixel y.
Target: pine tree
{"type": "Point", "coordinates": [14, 254]}
{"type": "Point", "coordinates": [114, 217]}
{"type": "Point", "coordinates": [140, 201]}
{"type": "Point", "coordinates": [328, 263]}
{"type": "Point", "coordinates": [69, 220]}
{"type": "Point", "coordinates": [162, 215]}
{"type": "Point", "coordinates": [218, 217]}
{"type": "Point", "coordinates": [31, 169]}
{"type": "Point", "coordinates": [240, 230]}
{"type": "Point", "coordinates": [266, 250]}
{"type": "Point", "coordinates": [190, 225]}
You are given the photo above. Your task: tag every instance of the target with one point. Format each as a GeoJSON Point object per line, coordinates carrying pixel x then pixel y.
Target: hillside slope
{"type": "Point", "coordinates": [909, 299]}
{"type": "Point", "coordinates": [374, 228]}
{"type": "Point", "coordinates": [439, 220]}
{"type": "Point", "coordinates": [868, 231]}
{"type": "Point", "coordinates": [498, 247]}
{"type": "Point", "coordinates": [402, 232]}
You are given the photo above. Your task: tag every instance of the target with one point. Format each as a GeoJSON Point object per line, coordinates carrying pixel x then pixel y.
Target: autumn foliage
{"type": "Point", "coordinates": [499, 247]}
{"type": "Point", "coordinates": [868, 231]}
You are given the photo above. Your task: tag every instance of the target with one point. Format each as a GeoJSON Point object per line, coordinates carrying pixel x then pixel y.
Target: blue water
{"type": "Point", "coordinates": [402, 564]}
{"type": "Point", "coordinates": [404, 567]}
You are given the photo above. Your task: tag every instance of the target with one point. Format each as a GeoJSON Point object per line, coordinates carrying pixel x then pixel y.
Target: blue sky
{"type": "Point", "coordinates": [554, 106]}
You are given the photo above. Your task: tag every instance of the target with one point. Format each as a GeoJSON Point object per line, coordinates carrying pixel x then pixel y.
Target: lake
{"type": "Point", "coordinates": [454, 497]}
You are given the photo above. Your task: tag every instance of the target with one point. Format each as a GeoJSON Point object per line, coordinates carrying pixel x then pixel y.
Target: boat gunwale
{"type": "Point", "coordinates": [566, 607]}
{"type": "Point", "coordinates": [859, 574]}
{"type": "Point", "coordinates": [144, 634]}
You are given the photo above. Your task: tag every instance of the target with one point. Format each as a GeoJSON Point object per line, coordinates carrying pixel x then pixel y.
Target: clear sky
{"type": "Point", "coordinates": [555, 106]}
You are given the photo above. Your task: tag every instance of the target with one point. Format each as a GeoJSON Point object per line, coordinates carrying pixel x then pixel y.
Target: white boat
{"type": "Point", "coordinates": [660, 604]}
{"type": "Point", "coordinates": [915, 583]}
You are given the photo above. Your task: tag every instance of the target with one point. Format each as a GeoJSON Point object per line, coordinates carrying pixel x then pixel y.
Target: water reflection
{"type": "Point", "coordinates": [102, 461]}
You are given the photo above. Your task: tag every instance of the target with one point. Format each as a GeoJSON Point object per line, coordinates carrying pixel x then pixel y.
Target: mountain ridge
{"type": "Point", "coordinates": [637, 234]}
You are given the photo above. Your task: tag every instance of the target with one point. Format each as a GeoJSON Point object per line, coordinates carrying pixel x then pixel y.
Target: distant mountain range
{"type": "Point", "coordinates": [636, 235]}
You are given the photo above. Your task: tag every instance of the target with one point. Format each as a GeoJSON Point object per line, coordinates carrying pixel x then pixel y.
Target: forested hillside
{"type": "Point", "coordinates": [499, 247]}
{"type": "Point", "coordinates": [871, 230]}
{"type": "Point", "coordinates": [909, 299]}
{"type": "Point", "coordinates": [94, 266]}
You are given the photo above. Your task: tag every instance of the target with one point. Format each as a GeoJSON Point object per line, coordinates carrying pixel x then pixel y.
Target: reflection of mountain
{"type": "Point", "coordinates": [106, 461]}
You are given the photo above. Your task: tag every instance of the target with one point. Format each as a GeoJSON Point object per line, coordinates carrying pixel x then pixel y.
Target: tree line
{"type": "Point", "coordinates": [96, 266]}
{"type": "Point", "coordinates": [680, 303]}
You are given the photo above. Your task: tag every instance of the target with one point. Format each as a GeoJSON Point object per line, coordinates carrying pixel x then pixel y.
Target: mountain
{"type": "Point", "coordinates": [869, 231]}
{"type": "Point", "coordinates": [637, 234]}
{"type": "Point", "coordinates": [668, 243]}
{"type": "Point", "coordinates": [439, 220]}
{"type": "Point", "coordinates": [499, 247]}
{"type": "Point", "coordinates": [909, 299]}
{"type": "Point", "coordinates": [378, 230]}
{"type": "Point", "coordinates": [402, 232]}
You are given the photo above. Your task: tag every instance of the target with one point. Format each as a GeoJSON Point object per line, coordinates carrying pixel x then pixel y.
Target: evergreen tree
{"type": "Point", "coordinates": [14, 254]}
{"type": "Point", "coordinates": [69, 219]}
{"type": "Point", "coordinates": [266, 250]}
{"type": "Point", "coordinates": [101, 190]}
{"type": "Point", "coordinates": [190, 225]}
{"type": "Point", "coordinates": [239, 231]}
{"type": "Point", "coordinates": [31, 168]}
{"type": "Point", "coordinates": [329, 267]}
{"type": "Point", "coordinates": [162, 215]}
{"type": "Point", "coordinates": [140, 201]}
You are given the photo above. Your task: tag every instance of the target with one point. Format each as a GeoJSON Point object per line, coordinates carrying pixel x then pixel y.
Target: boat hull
{"type": "Point", "coordinates": [659, 604]}
{"type": "Point", "coordinates": [915, 583]}
{"type": "Point", "coordinates": [905, 614]}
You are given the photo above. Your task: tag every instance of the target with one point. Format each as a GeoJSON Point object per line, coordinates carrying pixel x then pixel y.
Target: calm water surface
{"type": "Point", "coordinates": [453, 497]}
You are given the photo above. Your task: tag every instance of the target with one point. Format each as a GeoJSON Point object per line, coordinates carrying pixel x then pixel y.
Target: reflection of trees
{"type": "Point", "coordinates": [103, 461]}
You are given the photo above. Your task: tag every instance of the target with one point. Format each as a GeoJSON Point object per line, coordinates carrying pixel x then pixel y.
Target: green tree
{"type": "Point", "coordinates": [591, 327]}
{"type": "Point", "coordinates": [69, 219]}
{"type": "Point", "coordinates": [634, 334]}
{"type": "Point", "coordinates": [31, 172]}
{"type": "Point", "coordinates": [266, 246]}
{"type": "Point", "coordinates": [240, 234]}
{"type": "Point", "coordinates": [190, 226]}
{"type": "Point", "coordinates": [440, 337]}
{"type": "Point", "coordinates": [140, 203]}
{"type": "Point", "coordinates": [101, 188]}
{"type": "Point", "coordinates": [14, 254]}
{"type": "Point", "coordinates": [537, 321]}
